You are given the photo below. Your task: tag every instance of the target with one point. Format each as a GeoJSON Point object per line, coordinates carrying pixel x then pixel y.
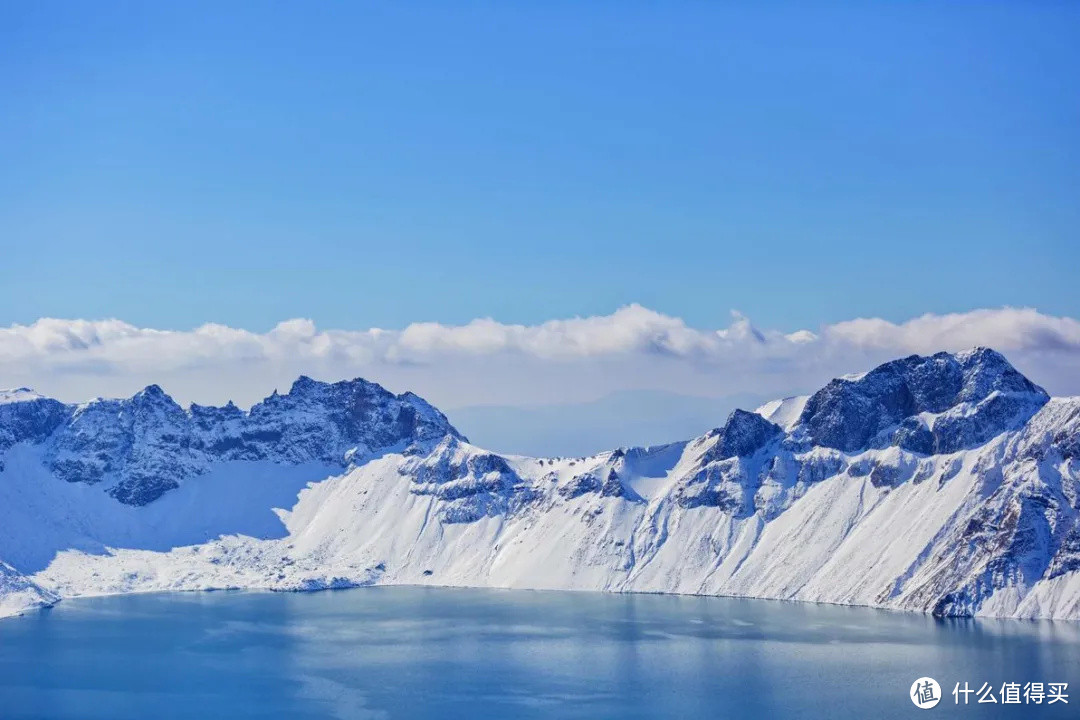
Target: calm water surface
{"type": "Point", "coordinates": [447, 653]}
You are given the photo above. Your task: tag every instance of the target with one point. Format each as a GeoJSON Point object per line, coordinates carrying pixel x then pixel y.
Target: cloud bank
{"type": "Point", "coordinates": [486, 362]}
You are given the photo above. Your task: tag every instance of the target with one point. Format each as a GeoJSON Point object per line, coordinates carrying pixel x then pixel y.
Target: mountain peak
{"type": "Point", "coordinates": [855, 413]}
{"type": "Point", "coordinates": [20, 394]}
{"type": "Point", "coordinates": [744, 433]}
{"type": "Point", "coordinates": [986, 371]}
{"type": "Point", "coordinates": [152, 391]}
{"type": "Point", "coordinates": [147, 445]}
{"type": "Point", "coordinates": [153, 397]}
{"type": "Point", "coordinates": [304, 384]}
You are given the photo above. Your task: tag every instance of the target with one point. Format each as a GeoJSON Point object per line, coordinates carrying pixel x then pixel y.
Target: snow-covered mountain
{"type": "Point", "coordinates": [144, 446]}
{"type": "Point", "coordinates": [947, 484]}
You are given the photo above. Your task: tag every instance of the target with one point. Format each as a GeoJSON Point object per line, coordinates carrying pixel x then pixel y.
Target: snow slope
{"type": "Point", "coordinates": [946, 484]}
{"type": "Point", "coordinates": [784, 413]}
{"type": "Point", "coordinates": [19, 594]}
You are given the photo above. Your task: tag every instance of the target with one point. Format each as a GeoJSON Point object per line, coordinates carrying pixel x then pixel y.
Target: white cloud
{"type": "Point", "coordinates": [487, 362]}
{"type": "Point", "coordinates": [1005, 329]}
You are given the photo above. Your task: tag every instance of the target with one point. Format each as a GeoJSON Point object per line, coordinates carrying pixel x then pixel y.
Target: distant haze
{"type": "Point", "coordinates": [631, 417]}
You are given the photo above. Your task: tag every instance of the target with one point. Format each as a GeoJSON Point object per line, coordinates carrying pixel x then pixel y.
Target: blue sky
{"type": "Point", "coordinates": [376, 164]}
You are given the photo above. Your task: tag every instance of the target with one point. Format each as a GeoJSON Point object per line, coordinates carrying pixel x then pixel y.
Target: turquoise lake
{"type": "Point", "coordinates": [410, 652]}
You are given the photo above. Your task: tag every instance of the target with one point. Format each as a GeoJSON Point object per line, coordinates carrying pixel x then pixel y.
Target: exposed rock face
{"type": "Point", "coordinates": [1025, 526]}
{"type": "Point", "coordinates": [27, 417]}
{"type": "Point", "coordinates": [146, 445]}
{"type": "Point", "coordinates": [471, 485]}
{"type": "Point", "coordinates": [937, 404]}
{"type": "Point", "coordinates": [744, 433]}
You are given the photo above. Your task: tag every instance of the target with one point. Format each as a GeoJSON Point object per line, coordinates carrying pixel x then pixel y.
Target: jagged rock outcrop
{"type": "Point", "coordinates": [937, 404]}
{"type": "Point", "coordinates": [146, 445]}
{"type": "Point", "coordinates": [470, 484]}
{"type": "Point", "coordinates": [743, 434]}
{"type": "Point", "coordinates": [26, 416]}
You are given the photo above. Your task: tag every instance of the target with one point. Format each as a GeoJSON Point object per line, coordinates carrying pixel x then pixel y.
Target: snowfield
{"type": "Point", "coordinates": [947, 484]}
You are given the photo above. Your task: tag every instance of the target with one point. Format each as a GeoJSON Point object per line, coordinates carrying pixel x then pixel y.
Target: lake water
{"type": "Point", "coordinates": [455, 653]}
